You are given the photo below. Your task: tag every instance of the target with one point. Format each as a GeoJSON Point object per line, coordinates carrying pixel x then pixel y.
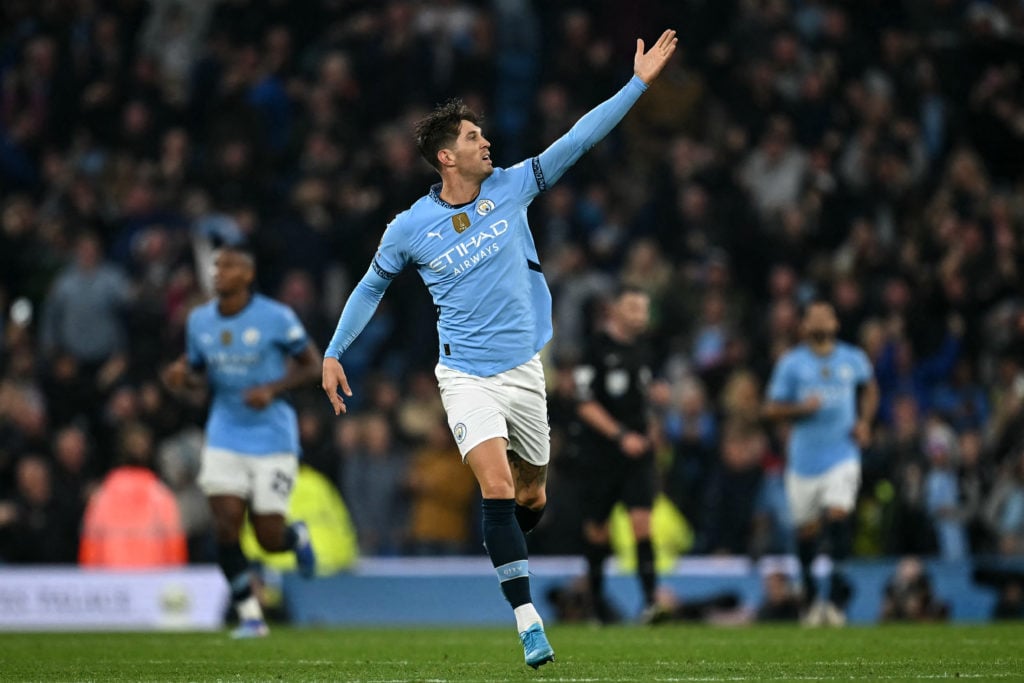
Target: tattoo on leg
{"type": "Point", "coordinates": [526, 474]}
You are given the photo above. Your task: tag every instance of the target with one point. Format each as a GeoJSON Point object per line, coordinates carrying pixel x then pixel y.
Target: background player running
{"type": "Point", "coordinates": [826, 388]}
{"type": "Point", "coordinates": [252, 349]}
{"type": "Point", "coordinates": [469, 240]}
{"type": "Point", "coordinates": [611, 386]}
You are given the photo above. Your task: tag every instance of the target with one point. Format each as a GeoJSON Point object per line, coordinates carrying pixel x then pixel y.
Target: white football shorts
{"type": "Point", "coordinates": [511, 405]}
{"type": "Point", "coordinates": [265, 481]}
{"type": "Point", "coordinates": [836, 488]}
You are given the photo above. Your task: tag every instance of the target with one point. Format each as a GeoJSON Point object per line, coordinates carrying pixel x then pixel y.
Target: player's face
{"type": "Point", "coordinates": [633, 311]}
{"type": "Point", "coordinates": [472, 151]}
{"type": "Point", "coordinates": [232, 272]}
{"type": "Point", "coordinates": [820, 324]}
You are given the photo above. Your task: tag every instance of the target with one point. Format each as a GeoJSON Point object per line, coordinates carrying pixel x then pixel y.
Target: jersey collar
{"type": "Point", "coordinates": [435, 194]}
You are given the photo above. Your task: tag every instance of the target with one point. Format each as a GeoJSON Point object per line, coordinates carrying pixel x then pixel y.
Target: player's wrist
{"type": "Point", "coordinates": [620, 434]}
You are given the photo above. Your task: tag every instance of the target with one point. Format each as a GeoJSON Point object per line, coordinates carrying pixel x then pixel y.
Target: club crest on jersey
{"type": "Point", "coordinates": [251, 336]}
{"type": "Point", "coordinates": [225, 337]}
{"type": "Point", "coordinates": [484, 207]}
{"type": "Point", "coordinates": [460, 222]}
{"type": "Point", "coordinates": [459, 431]}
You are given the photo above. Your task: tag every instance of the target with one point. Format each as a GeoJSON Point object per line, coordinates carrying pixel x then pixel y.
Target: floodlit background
{"type": "Point", "coordinates": [870, 152]}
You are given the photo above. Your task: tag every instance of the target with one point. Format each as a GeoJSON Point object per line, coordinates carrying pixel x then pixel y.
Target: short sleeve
{"type": "Point", "coordinates": [293, 337]}
{"type": "Point", "coordinates": [782, 386]}
{"type": "Point", "coordinates": [193, 351]}
{"type": "Point", "coordinates": [583, 377]}
{"type": "Point", "coordinates": [862, 367]}
{"type": "Point", "coordinates": [392, 254]}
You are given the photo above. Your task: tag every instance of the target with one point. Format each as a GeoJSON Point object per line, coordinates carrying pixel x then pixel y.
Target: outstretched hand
{"type": "Point", "coordinates": [647, 65]}
{"type": "Point", "coordinates": [334, 380]}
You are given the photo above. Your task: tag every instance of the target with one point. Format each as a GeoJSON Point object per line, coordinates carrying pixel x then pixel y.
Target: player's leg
{"type": "Point", "coordinates": [506, 544]}
{"type": "Point", "coordinates": [273, 480]}
{"type": "Point", "coordinates": [638, 496]}
{"type": "Point", "coordinates": [476, 408]}
{"type": "Point", "coordinates": [529, 436]}
{"type": "Point", "coordinates": [530, 483]}
{"type": "Point", "coordinates": [224, 478]}
{"type": "Point", "coordinates": [802, 496]}
{"type": "Point", "coordinates": [596, 550]}
{"type": "Point", "coordinates": [640, 519]}
{"type": "Point", "coordinates": [839, 499]}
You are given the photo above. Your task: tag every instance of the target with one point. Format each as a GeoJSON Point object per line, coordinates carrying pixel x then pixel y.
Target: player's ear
{"type": "Point", "coordinates": [445, 157]}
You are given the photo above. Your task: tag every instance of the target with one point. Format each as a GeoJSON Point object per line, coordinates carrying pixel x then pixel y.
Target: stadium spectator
{"type": "Point", "coordinates": [942, 492]}
{"type": "Point", "coordinates": [442, 494]}
{"type": "Point", "coordinates": [83, 311]}
{"type": "Point", "coordinates": [132, 521]}
{"type": "Point", "coordinates": [731, 491]}
{"type": "Point", "coordinates": [893, 191]}
{"type": "Point", "coordinates": [1005, 508]}
{"type": "Point", "coordinates": [781, 599]}
{"type": "Point", "coordinates": [372, 470]}
{"type": "Point", "coordinates": [908, 595]}
{"type": "Point", "coordinates": [37, 527]}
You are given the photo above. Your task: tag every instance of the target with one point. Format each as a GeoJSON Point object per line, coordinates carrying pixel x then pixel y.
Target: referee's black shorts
{"type": "Point", "coordinates": [610, 477]}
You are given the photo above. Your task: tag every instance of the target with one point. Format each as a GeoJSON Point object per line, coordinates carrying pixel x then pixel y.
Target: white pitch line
{"type": "Point", "coordinates": [696, 679]}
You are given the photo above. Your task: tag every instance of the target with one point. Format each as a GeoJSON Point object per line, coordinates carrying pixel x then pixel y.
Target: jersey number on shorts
{"type": "Point", "coordinates": [282, 483]}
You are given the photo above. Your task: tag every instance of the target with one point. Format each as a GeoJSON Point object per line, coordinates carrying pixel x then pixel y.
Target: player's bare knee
{"type": "Point", "coordinates": [533, 498]}
{"type": "Point", "coordinates": [269, 532]}
{"type": "Point", "coordinates": [225, 531]}
{"type": "Point", "coordinates": [837, 514]}
{"type": "Point", "coordinates": [809, 530]}
{"type": "Point", "coordinates": [641, 522]}
{"type": "Point", "coordinates": [596, 533]}
{"type": "Point", "coordinates": [497, 487]}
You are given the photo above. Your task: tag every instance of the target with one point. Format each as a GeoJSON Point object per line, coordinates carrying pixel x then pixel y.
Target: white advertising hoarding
{"type": "Point", "coordinates": [50, 598]}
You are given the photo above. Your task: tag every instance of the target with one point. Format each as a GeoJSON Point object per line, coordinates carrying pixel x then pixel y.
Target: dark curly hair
{"type": "Point", "coordinates": [440, 128]}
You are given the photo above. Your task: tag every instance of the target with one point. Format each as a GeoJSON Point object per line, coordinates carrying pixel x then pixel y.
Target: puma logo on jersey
{"type": "Point", "coordinates": [434, 234]}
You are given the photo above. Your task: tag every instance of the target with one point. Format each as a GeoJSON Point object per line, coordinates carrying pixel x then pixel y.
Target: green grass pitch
{"type": "Point", "coordinates": [675, 653]}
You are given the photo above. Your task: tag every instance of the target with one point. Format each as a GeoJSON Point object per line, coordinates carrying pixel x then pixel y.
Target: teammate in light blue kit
{"type": "Point", "coordinates": [826, 388]}
{"type": "Point", "coordinates": [470, 242]}
{"type": "Point", "coordinates": [252, 349]}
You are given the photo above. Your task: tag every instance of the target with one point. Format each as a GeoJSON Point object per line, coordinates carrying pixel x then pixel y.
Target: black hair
{"type": "Point", "coordinates": [624, 289]}
{"type": "Point", "coordinates": [242, 248]}
{"type": "Point", "coordinates": [440, 128]}
{"type": "Point", "coordinates": [812, 302]}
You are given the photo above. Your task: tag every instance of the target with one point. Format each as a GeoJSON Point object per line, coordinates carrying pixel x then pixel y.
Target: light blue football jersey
{"type": "Point", "coordinates": [824, 439]}
{"type": "Point", "coordinates": [239, 352]}
{"type": "Point", "coordinates": [480, 264]}
{"type": "Point", "coordinates": [479, 260]}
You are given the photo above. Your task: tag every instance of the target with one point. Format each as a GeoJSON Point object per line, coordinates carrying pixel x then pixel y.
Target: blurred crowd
{"type": "Point", "coordinates": [868, 151]}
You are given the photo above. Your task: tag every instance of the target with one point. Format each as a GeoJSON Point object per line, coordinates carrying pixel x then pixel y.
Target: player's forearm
{"type": "Point", "coordinates": [303, 372]}
{"type": "Point", "coordinates": [358, 311]}
{"type": "Point", "coordinates": [600, 420]}
{"type": "Point", "coordinates": [868, 404]}
{"type": "Point", "coordinates": [778, 411]}
{"type": "Point", "coordinates": [589, 130]}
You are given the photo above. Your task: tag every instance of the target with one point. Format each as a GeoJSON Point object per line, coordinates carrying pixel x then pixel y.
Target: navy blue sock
{"type": "Point", "coordinates": [528, 518]}
{"type": "Point", "coordinates": [507, 547]}
{"type": "Point", "coordinates": [840, 540]}
{"type": "Point", "coordinates": [235, 566]}
{"type": "Point", "coordinates": [291, 538]}
{"type": "Point", "coordinates": [807, 548]}
{"type": "Point", "coordinates": [645, 569]}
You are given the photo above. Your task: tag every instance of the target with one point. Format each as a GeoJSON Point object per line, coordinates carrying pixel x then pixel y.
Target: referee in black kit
{"type": "Point", "coordinates": [616, 455]}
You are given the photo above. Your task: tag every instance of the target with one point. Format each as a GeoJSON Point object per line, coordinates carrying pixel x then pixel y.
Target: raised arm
{"type": "Point", "coordinates": [599, 121]}
{"type": "Point", "coordinates": [358, 310]}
